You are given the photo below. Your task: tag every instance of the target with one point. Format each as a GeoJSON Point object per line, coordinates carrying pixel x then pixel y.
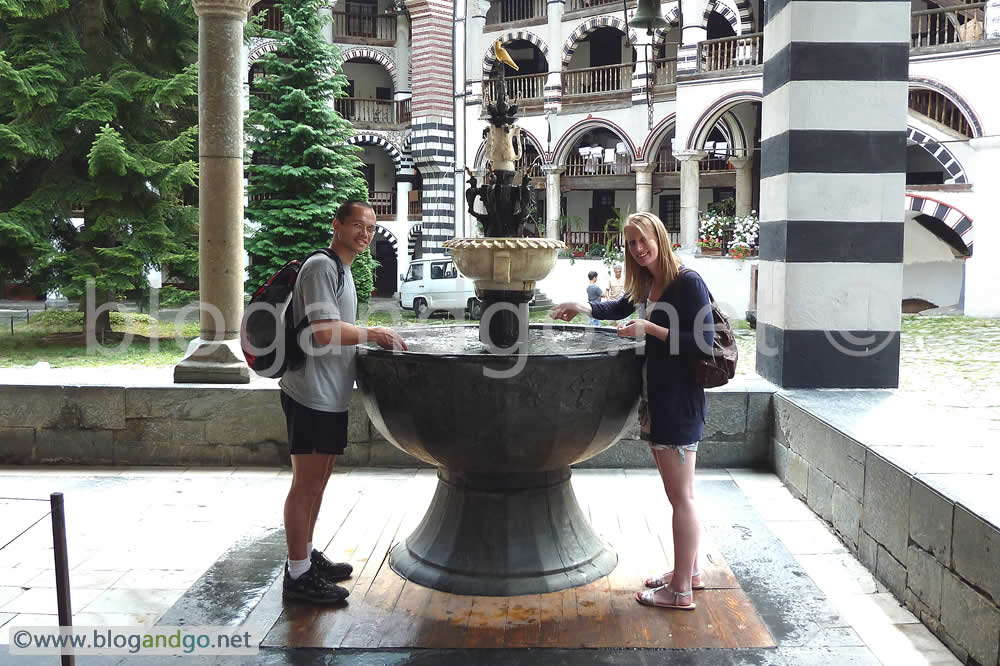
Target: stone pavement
{"type": "Point", "coordinates": [204, 547]}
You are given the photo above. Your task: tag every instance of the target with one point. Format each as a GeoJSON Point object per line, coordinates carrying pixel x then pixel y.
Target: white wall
{"type": "Point", "coordinates": [366, 78]}
{"type": "Point", "coordinates": [385, 170]}
{"type": "Point", "coordinates": [939, 282]}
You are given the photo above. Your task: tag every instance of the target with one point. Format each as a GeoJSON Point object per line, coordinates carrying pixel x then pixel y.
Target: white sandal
{"type": "Point", "coordinates": [648, 598]}
{"type": "Point", "coordinates": [661, 580]}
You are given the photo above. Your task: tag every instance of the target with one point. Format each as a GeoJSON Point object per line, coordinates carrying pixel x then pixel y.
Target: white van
{"type": "Point", "coordinates": [434, 283]}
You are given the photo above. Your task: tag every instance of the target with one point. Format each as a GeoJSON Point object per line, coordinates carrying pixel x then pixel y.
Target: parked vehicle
{"type": "Point", "coordinates": [433, 283]}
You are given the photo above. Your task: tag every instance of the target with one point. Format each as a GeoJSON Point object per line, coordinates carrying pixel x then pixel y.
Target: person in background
{"type": "Point", "coordinates": [675, 319]}
{"type": "Point", "coordinates": [616, 284]}
{"type": "Point", "coordinates": [594, 294]}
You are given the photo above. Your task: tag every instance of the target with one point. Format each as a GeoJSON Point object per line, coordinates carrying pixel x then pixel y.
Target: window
{"type": "Point", "coordinates": [670, 212]}
{"type": "Point", "coordinates": [416, 272]}
{"type": "Point", "coordinates": [438, 269]}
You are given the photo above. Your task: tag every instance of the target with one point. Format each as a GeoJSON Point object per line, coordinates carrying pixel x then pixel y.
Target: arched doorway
{"type": "Point", "coordinates": [387, 274]}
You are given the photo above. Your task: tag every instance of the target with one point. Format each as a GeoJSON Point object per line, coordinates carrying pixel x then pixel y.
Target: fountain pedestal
{"type": "Point", "coordinates": [503, 535]}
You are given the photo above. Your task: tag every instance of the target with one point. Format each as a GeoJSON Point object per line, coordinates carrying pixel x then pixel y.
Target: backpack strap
{"type": "Point", "coordinates": [335, 258]}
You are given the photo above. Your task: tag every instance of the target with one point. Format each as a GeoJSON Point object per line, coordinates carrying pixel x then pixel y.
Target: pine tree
{"type": "Point", "coordinates": [98, 119]}
{"type": "Point", "coordinates": [301, 167]}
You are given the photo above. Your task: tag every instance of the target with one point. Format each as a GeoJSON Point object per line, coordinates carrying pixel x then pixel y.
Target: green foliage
{"type": "Point", "coordinates": [299, 163]}
{"type": "Point", "coordinates": [98, 142]}
{"type": "Point", "coordinates": [363, 269]}
{"type": "Point", "coordinates": [172, 297]}
{"type": "Point", "coordinates": [613, 253]}
{"type": "Point", "coordinates": [63, 320]}
{"type": "Point", "coordinates": [725, 208]}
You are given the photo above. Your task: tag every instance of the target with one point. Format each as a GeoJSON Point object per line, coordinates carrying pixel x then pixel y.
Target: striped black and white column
{"type": "Point", "coordinates": [833, 163]}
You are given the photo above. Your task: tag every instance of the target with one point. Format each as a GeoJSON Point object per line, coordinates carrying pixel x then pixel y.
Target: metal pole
{"type": "Point", "coordinates": [62, 567]}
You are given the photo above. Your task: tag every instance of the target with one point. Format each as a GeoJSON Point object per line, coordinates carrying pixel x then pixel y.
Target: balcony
{"type": "Point", "coordinates": [514, 13]}
{"type": "Point", "coordinates": [384, 205]}
{"type": "Point", "coordinates": [948, 25]}
{"type": "Point", "coordinates": [374, 113]}
{"type": "Point", "coordinates": [731, 53]}
{"type": "Point", "coordinates": [373, 30]}
{"type": "Point", "coordinates": [595, 84]}
{"type": "Point", "coordinates": [527, 89]}
{"type": "Point", "coordinates": [579, 8]}
{"type": "Point", "coordinates": [589, 238]}
{"type": "Point", "coordinates": [664, 75]}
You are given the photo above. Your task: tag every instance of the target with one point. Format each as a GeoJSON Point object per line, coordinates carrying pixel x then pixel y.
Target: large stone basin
{"type": "Point", "coordinates": [504, 519]}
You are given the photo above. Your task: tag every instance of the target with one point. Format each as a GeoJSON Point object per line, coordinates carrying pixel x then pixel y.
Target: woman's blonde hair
{"type": "Point", "coordinates": [638, 279]}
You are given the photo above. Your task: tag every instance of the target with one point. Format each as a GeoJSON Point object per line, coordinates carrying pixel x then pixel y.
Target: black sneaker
{"type": "Point", "coordinates": [312, 587]}
{"type": "Point", "coordinates": [335, 571]}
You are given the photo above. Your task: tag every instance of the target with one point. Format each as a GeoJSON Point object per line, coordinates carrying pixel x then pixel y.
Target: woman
{"type": "Point", "coordinates": [675, 317]}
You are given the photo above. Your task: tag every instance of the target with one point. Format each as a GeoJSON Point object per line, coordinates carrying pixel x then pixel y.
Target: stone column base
{"type": "Point", "coordinates": [212, 362]}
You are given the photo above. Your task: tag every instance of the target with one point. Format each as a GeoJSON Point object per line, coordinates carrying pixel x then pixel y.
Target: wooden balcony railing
{"type": "Point", "coordinates": [578, 165]}
{"type": "Point", "coordinates": [947, 25]}
{"type": "Point", "coordinates": [383, 203]}
{"type": "Point", "coordinates": [381, 27]}
{"type": "Point", "coordinates": [384, 111]}
{"type": "Point", "coordinates": [714, 163]}
{"type": "Point", "coordinates": [667, 163]}
{"type": "Point", "coordinates": [273, 19]}
{"type": "Point", "coordinates": [574, 5]}
{"type": "Point", "coordinates": [587, 238]}
{"type": "Point", "coordinates": [594, 80]}
{"type": "Point", "coordinates": [526, 88]}
{"type": "Point", "coordinates": [516, 10]}
{"type": "Point", "coordinates": [404, 111]}
{"type": "Point", "coordinates": [937, 107]}
{"type": "Point", "coordinates": [730, 52]}
{"type": "Point", "coordinates": [415, 205]}
{"type": "Point", "coordinates": [665, 72]}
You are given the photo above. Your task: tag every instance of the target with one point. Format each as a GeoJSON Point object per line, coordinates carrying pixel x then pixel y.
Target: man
{"type": "Point", "coordinates": [315, 398]}
{"type": "Point", "coordinates": [616, 285]}
{"type": "Point", "coordinates": [594, 294]}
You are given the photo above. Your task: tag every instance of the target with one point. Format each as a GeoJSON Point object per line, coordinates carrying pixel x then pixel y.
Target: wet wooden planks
{"type": "Point", "coordinates": [387, 611]}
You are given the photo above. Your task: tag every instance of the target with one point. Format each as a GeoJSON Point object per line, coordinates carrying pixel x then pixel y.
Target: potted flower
{"type": "Point", "coordinates": [745, 234]}
{"type": "Point", "coordinates": [738, 250]}
{"type": "Point", "coordinates": [713, 228]}
{"type": "Point", "coordinates": [710, 246]}
{"type": "Point", "coordinates": [579, 251]}
{"type": "Point", "coordinates": [676, 246]}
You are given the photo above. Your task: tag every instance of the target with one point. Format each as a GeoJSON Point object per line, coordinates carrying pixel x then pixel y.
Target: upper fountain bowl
{"type": "Point", "coordinates": [505, 264]}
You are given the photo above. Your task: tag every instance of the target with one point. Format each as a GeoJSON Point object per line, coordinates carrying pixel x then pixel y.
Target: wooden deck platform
{"type": "Point", "coordinates": [386, 611]}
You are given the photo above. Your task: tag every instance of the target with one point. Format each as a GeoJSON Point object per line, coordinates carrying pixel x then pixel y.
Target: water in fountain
{"type": "Point", "coordinates": [541, 341]}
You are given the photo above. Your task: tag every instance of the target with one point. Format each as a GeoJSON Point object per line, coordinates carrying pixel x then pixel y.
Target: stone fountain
{"type": "Point", "coordinates": [503, 410]}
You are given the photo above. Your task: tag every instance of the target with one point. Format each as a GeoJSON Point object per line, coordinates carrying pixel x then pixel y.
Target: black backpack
{"type": "Point", "coordinates": [269, 332]}
{"type": "Point", "coordinates": [720, 367]}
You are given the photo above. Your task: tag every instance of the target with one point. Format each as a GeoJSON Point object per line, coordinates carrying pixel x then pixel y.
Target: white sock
{"type": "Point", "coordinates": [298, 567]}
{"type": "Point", "coordinates": [309, 549]}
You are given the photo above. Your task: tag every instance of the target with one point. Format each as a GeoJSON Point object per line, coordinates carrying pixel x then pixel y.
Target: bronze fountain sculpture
{"type": "Point", "coordinates": [503, 410]}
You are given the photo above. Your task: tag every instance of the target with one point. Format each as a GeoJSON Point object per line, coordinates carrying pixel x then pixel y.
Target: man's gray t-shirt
{"type": "Point", "coordinates": [594, 293]}
{"type": "Point", "coordinates": [326, 380]}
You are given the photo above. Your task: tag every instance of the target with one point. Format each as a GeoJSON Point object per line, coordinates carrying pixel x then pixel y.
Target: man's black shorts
{"type": "Point", "coordinates": [313, 431]}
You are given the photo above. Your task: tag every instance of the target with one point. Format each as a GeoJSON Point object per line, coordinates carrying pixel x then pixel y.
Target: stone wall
{"type": "Point", "coordinates": [210, 425]}
{"type": "Point", "coordinates": [936, 555]}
